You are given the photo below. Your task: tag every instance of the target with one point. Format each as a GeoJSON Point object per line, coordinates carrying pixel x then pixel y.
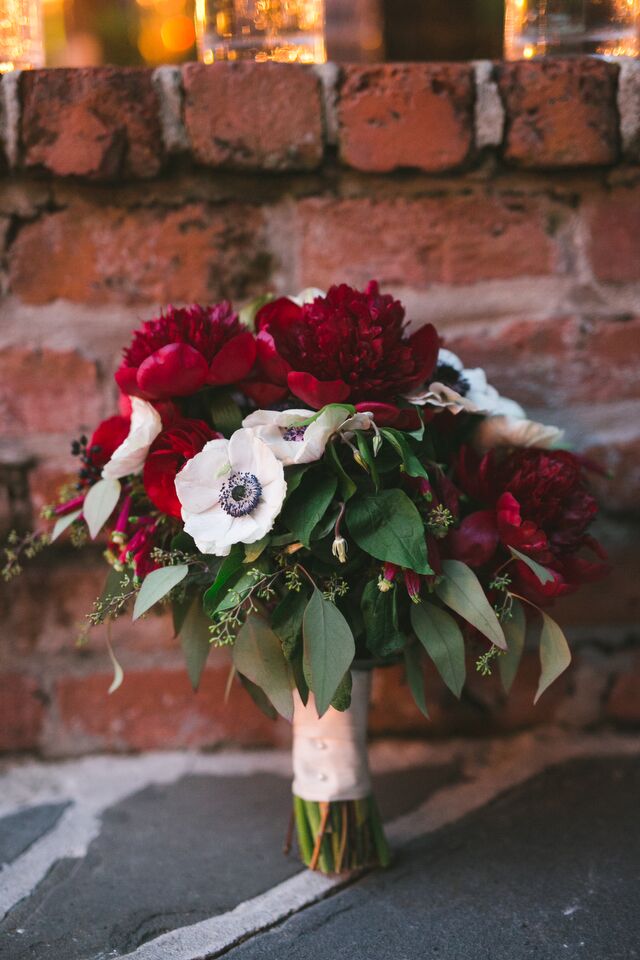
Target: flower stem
{"type": "Point", "coordinates": [340, 835]}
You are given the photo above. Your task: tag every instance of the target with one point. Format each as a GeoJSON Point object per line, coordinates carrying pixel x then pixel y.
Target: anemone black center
{"type": "Point", "coordinates": [240, 494]}
{"type": "Point", "coordinates": [294, 433]}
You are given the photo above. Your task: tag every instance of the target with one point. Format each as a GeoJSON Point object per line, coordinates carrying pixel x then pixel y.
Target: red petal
{"type": "Point", "coordinates": [476, 539]}
{"type": "Point", "coordinates": [159, 477]}
{"type": "Point", "coordinates": [108, 435]}
{"type": "Point", "coordinates": [282, 312]}
{"type": "Point", "coordinates": [425, 344]}
{"type": "Point", "coordinates": [173, 371]}
{"type": "Point", "coordinates": [263, 394]}
{"type": "Point", "coordinates": [271, 363]}
{"type": "Point", "coordinates": [127, 379]}
{"type": "Point", "coordinates": [234, 360]}
{"type": "Point", "coordinates": [317, 393]}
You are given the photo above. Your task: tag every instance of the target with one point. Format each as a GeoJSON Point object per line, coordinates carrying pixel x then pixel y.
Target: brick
{"type": "Point", "coordinates": [251, 116]}
{"type": "Point", "coordinates": [44, 391]}
{"type": "Point", "coordinates": [614, 236]}
{"type": "Point", "coordinates": [157, 709]}
{"type": "Point", "coordinates": [449, 239]}
{"type": "Point", "coordinates": [406, 115]}
{"type": "Point", "coordinates": [152, 255]}
{"type": "Point", "coordinates": [560, 113]}
{"type": "Point", "coordinates": [567, 359]}
{"type": "Point", "coordinates": [96, 123]}
{"type": "Point", "coordinates": [623, 705]}
{"type": "Point", "coordinates": [618, 452]}
{"type": "Point", "coordinates": [21, 712]}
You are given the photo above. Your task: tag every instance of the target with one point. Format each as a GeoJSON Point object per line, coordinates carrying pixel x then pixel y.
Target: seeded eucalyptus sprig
{"type": "Point", "coordinates": [19, 548]}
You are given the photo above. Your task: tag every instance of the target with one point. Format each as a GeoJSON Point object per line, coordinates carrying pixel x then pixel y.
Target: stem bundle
{"type": "Point", "coordinates": [340, 835]}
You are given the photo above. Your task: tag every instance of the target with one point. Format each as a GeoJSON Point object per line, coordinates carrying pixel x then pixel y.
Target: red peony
{"type": "Point", "coordinates": [348, 346]}
{"type": "Point", "coordinates": [105, 440]}
{"type": "Point", "coordinates": [184, 350]}
{"type": "Point", "coordinates": [538, 502]}
{"type": "Point", "coordinates": [168, 454]}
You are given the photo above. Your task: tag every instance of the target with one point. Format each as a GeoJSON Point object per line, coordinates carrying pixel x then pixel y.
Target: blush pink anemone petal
{"type": "Point", "coordinates": [317, 393]}
{"type": "Point", "coordinates": [233, 361]}
{"type": "Point", "coordinates": [175, 370]}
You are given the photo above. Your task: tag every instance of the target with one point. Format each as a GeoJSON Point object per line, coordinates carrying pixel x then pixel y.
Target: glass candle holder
{"type": "Point", "coordinates": [286, 31]}
{"type": "Point", "coordinates": [537, 28]}
{"type": "Point", "coordinates": [21, 38]}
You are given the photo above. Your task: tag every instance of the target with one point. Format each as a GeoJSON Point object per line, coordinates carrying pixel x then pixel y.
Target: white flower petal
{"type": "Point", "coordinates": [450, 359]}
{"type": "Point", "coordinates": [130, 456]}
{"type": "Point", "coordinates": [199, 482]}
{"type": "Point", "coordinates": [210, 530]}
{"type": "Point", "coordinates": [504, 431]}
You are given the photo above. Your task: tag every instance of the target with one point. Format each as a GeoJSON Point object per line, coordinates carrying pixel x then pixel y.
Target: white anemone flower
{"type": "Point", "coordinates": [308, 295]}
{"type": "Point", "coordinates": [231, 492]}
{"type": "Point", "coordinates": [130, 456]}
{"type": "Point", "coordinates": [515, 432]}
{"type": "Point", "coordinates": [291, 441]}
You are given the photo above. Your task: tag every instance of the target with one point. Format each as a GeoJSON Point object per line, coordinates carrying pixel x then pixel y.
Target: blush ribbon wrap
{"type": "Point", "coordinates": [330, 758]}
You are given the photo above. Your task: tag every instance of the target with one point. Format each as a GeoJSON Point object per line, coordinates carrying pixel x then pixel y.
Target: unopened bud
{"type": "Point", "coordinates": [360, 461]}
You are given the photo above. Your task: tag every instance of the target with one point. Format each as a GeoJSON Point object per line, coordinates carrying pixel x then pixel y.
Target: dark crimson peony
{"type": "Point", "coordinates": [348, 346]}
{"type": "Point", "coordinates": [168, 454]}
{"type": "Point", "coordinates": [184, 350]}
{"type": "Point", "coordinates": [538, 502]}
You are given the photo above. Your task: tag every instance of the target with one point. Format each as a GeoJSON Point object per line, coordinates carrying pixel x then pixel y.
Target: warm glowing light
{"type": "Point", "coordinates": [285, 31]}
{"type": "Point", "coordinates": [150, 42]}
{"type": "Point", "coordinates": [178, 33]}
{"type": "Point", "coordinates": [529, 51]}
{"type": "Point", "coordinates": [169, 8]}
{"type": "Point", "coordinates": [21, 44]}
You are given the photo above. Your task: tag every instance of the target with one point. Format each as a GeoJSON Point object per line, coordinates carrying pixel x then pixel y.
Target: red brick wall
{"type": "Point", "coordinates": [500, 201]}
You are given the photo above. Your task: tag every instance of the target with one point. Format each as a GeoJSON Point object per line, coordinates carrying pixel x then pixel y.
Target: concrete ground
{"type": "Point", "coordinates": [527, 847]}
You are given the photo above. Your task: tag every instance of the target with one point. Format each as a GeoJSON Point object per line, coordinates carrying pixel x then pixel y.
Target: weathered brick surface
{"type": "Point", "coordinates": [623, 705]}
{"type": "Point", "coordinates": [31, 379]}
{"type": "Point", "coordinates": [21, 712]}
{"type": "Point", "coordinates": [253, 116]}
{"type": "Point", "coordinates": [568, 359]}
{"type": "Point", "coordinates": [560, 113]}
{"type": "Point", "coordinates": [614, 235]}
{"type": "Point", "coordinates": [155, 709]}
{"type": "Point", "coordinates": [152, 255]}
{"type": "Point", "coordinates": [415, 242]}
{"type": "Point", "coordinates": [406, 115]}
{"type": "Point", "coordinates": [100, 123]}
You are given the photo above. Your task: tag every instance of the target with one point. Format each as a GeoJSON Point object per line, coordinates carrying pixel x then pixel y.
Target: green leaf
{"type": "Point", "coordinates": [230, 566]}
{"type": "Point", "coordinates": [380, 615]}
{"type": "Point", "coordinates": [260, 699]}
{"type": "Point", "coordinates": [387, 526]}
{"type": "Point", "coordinates": [99, 504]}
{"type": "Point", "coordinates": [253, 550]}
{"type": "Point", "coordinates": [515, 631]}
{"type": "Point", "coordinates": [237, 592]}
{"type": "Point", "coordinates": [442, 638]}
{"type": "Point", "coordinates": [157, 585]}
{"type": "Point", "coordinates": [368, 457]}
{"type": "Point", "coordinates": [543, 575]}
{"type": "Point", "coordinates": [330, 648]}
{"type": "Point", "coordinates": [306, 507]}
{"type": "Point", "coordinates": [257, 654]}
{"type": "Point", "coordinates": [225, 412]}
{"type": "Point", "coordinates": [286, 620]}
{"type": "Point", "coordinates": [342, 697]}
{"type": "Point", "coordinates": [294, 476]}
{"type": "Point", "coordinates": [62, 523]}
{"type": "Point", "coordinates": [195, 640]}
{"type": "Point", "coordinates": [415, 676]}
{"type": "Point", "coordinates": [461, 591]}
{"type": "Point", "coordinates": [401, 445]}
{"type": "Point", "coordinates": [555, 655]}
{"type": "Point", "coordinates": [347, 485]}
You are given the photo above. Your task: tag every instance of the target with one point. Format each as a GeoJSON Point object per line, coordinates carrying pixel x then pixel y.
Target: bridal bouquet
{"type": "Point", "coordinates": [322, 491]}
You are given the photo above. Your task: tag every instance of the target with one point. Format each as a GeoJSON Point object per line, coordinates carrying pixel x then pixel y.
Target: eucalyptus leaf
{"type": "Point", "coordinates": [342, 697]}
{"type": "Point", "coordinates": [157, 585]}
{"type": "Point", "coordinates": [555, 655]}
{"type": "Point", "coordinates": [387, 526]}
{"type": "Point", "coordinates": [442, 638]}
{"type": "Point", "coordinates": [380, 614]}
{"type": "Point", "coordinates": [461, 590]}
{"type": "Point", "coordinates": [258, 696]}
{"type": "Point", "coordinates": [230, 566]}
{"type": "Point", "coordinates": [286, 620]}
{"type": "Point", "coordinates": [195, 640]}
{"type": "Point", "coordinates": [329, 646]}
{"type": "Point", "coordinates": [253, 550]}
{"type": "Point", "coordinates": [307, 506]}
{"type": "Point", "coordinates": [415, 676]}
{"type": "Point", "coordinates": [238, 591]}
{"type": "Point", "coordinates": [515, 632]}
{"type": "Point", "coordinates": [62, 523]}
{"type": "Point", "coordinates": [543, 575]}
{"type": "Point", "coordinates": [401, 445]}
{"type": "Point", "coordinates": [257, 654]}
{"type": "Point", "coordinates": [99, 504]}
{"type": "Point", "coordinates": [118, 672]}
